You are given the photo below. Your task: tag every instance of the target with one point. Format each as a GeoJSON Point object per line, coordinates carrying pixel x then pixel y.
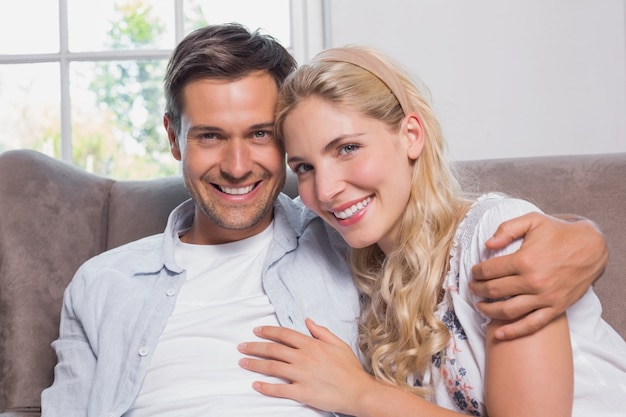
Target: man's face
{"type": "Point", "coordinates": [232, 164]}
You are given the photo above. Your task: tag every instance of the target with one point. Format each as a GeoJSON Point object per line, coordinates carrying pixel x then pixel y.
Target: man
{"type": "Point", "coordinates": [151, 328]}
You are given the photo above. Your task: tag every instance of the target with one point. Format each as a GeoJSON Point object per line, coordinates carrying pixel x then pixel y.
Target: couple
{"type": "Point", "coordinates": [152, 328]}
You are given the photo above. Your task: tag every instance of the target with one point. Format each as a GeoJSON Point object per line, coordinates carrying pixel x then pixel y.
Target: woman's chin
{"type": "Point", "coordinates": [358, 243]}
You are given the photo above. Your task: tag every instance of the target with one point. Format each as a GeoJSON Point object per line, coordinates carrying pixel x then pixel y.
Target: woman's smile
{"type": "Point", "coordinates": [352, 209]}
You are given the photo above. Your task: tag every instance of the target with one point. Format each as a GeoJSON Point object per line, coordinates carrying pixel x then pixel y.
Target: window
{"type": "Point", "coordinates": [82, 80]}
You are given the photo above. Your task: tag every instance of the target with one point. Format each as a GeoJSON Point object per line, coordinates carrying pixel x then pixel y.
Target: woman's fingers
{"type": "Point", "coordinates": [282, 335]}
{"type": "Point", "coordinates": [270, 367]}
{"type": "Point", "coordinates": [284, 347]}
{"type": "Point", "coordinates": [322, 333]}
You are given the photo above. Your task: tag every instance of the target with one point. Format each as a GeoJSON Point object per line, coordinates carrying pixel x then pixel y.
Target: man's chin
{"type": "Point", "coordinates": [242, 221]}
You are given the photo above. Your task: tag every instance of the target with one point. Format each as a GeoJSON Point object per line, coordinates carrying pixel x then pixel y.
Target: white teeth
{"type": "Point", "coordinates": [236, 191]}
{"type": "Point", "coordinates": [351, 211]}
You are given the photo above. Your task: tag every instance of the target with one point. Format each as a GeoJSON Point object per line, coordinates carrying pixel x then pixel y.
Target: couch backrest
{"type": "Point", "coordinates": [53, 217]}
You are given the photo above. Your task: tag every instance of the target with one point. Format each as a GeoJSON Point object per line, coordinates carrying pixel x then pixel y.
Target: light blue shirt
{"type": "Point", "coordinates": [118, 303]}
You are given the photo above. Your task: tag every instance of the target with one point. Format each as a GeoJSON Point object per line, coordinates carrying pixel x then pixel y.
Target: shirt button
{"type": "Point", "coordinates": [170, 292]}
{"type": "Point", "coordinates": [143, 351]}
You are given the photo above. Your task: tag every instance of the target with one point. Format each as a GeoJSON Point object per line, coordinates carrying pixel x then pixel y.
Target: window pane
{"type": "Point", "coordinates": [29, 109]}
{"type": "Point", "coordinates": [120, 24]}
{"type": "Point", "coordinates": [271, 16]}
{"type": "Point", "coordinates": [24, 31]}
{"type": "Point", "coordinates": [117, 119]}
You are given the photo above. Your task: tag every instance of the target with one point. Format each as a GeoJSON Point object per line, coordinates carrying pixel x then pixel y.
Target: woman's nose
{"type": "Point", "coordinates": [328, 184]}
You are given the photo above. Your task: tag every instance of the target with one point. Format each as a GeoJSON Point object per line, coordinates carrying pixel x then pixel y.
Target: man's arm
{"type": "Point", "coordinates": [76, 363]}
{"type": "Point", "coordinates": [559, 259]}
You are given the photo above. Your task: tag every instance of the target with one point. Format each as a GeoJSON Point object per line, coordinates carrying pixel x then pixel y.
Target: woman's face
{"type": "Point", "coordinates": [352, 170]}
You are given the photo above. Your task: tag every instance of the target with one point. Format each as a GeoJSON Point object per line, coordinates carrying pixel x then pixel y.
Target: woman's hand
{"type": "Point", "coordinates": [323, 370]}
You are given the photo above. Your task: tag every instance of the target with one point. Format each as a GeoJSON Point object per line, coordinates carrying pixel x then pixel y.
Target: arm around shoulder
{"type": "Point", "coordinates": [555, 265]}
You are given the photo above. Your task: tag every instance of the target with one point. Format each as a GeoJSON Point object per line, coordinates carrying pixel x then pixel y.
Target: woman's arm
{"type": "Point", "coordinates": [526, 377]}
{"type": "Point", "coordinates": [530, 376]}
{"type": "Point", "coordinates": [556, 264]}
{"type": "Point", "coordinates": [324, 373]}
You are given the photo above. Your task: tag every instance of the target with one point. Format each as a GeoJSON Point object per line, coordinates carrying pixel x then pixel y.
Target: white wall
{"type": "Point", "coordinates": [507, 78]}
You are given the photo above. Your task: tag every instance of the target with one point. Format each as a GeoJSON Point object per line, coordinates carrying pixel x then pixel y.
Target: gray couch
{"type": "Point", "coordinates": [54, 216]}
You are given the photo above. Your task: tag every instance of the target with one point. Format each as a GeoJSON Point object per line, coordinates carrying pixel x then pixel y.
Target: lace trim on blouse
{"type": "Point", "coordinates": [454, 376]}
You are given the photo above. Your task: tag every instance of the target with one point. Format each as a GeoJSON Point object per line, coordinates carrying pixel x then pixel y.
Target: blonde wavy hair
{"type": "Point", "coordinates": [398, 332]}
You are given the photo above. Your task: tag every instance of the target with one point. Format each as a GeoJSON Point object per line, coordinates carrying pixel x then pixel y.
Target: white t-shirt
{"type": "Point", "coordinates": [195, 369]}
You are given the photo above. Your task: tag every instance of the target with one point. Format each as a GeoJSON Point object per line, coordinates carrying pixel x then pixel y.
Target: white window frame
{"type": "Point", "coordinates": [307, 38]}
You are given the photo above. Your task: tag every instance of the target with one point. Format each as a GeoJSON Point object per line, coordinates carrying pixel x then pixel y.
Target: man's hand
{"type": "Point", "coordinates": [555, 265]}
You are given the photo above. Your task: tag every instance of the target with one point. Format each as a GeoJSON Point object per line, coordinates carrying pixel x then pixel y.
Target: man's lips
{"type": "Point", "coordinates": [236, 190]}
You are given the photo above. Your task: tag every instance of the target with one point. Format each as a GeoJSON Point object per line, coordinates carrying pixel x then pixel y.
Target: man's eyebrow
{"type": "Point", "coordinates": [204, 128]}
{"type": "Point", "coordinates": [263, 125]}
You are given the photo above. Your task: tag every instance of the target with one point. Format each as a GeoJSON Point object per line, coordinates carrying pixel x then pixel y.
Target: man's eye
{"type": "Point", "coordinates": [208, 136]}
{"type": "Point", "coordinates": [349, 148]}
{"type": "Point", "coordinates": [260, 134]}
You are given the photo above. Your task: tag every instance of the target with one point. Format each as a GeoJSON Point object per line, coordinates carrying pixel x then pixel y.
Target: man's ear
{"type": "Point", "coordinates": [171, 137]}
{"type": "Point", "coordinates": [415, 135]}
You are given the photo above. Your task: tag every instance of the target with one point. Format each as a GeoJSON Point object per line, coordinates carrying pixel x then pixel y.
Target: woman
{"type": "Point", "coordinates": [369, 156]}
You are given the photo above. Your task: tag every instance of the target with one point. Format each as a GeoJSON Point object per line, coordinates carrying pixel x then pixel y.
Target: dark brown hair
{"type": "Point", "coordinates": [227, 51]}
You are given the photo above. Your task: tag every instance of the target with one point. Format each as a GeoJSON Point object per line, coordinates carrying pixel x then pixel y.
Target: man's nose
{"type": "Point", "coordinates": [236, 158]}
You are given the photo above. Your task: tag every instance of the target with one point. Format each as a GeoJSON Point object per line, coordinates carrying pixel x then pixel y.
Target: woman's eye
{"type": "Point", "coordinates": [301, 168]}
{"type": "Point", "coordinates": [349, 148]}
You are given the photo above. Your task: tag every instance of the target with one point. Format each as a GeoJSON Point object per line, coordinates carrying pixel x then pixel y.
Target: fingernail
{"type": "Point", "coordinates": [242, 346]}
{"type": "Point", "coordinates": [243, 362]}
{"type": "Point", "coordinates": [257, 330]}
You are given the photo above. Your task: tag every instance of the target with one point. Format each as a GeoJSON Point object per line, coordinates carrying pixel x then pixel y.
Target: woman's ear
{"type": "Point", "coordinates": [415, 135]}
